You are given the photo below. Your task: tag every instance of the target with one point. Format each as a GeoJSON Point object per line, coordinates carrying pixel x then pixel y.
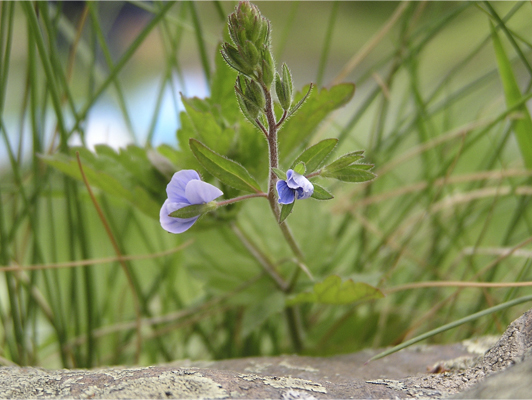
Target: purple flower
{"type": "Point", "coordinates": [185, 189]}
{"type": "Point", "coordinates": [295, 187]}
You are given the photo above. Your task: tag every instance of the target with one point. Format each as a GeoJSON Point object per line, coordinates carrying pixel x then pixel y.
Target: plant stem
{"type": "Point", "coordinates": [273, 152]}
{"type": "Point", "coordinates": [292, 313]}
{"type": "Point", "coordinates": [262, 258]}
{"type": "Point", "coordinates": [234, 200]}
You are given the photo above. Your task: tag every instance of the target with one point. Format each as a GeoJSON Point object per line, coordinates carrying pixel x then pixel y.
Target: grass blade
{"type": "Point", "coordinates": [523, 126]}
{"type": "Point", "coordinates": [452, 325]}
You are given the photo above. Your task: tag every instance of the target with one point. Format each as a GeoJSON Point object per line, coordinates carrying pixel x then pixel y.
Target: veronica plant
{"type": "Point", "coordinates": [266, 100]}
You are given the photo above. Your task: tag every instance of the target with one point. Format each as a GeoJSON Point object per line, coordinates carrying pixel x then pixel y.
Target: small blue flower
{"type": "Point", "coordinates": [296, 187]}
{"type": "Point", "coordinates": [185, 189]}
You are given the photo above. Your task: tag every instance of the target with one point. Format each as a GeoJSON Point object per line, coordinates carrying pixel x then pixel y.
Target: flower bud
{"type": "Point", "coordinates": [250, 96]}
{"type": "Point", "coordinates": [235, 60]}
{"type": "Point", "coordinates": [251, 54]}
{"type": "Point", "coordinates": [268, 67]}
{"type": "Point", "coordinates": [284, 88]}
{"type": "Point", "coordinates": [255, 26]}
{"type": "Point", "coordinates": [247, 23]}
{"type": "Point", "coordinates": [255, 94]}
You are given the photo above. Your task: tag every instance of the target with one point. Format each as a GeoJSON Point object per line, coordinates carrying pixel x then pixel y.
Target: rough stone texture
{"type": "Point", "coordinates": [422, 371]}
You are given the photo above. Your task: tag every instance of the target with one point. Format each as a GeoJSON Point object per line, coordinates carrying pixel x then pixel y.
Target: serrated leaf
{"type": "Point", "coordinates": [314, 156]}
{"type": "Point", "coordinates": [300, 168]}
{"type": "Point", "coordinates": [523, 126]}
{"type": "Point", "coordinates": [222, 85]}
{"type": "Point", "coordinates": [355, 173]}
{"type": "Point", "coordinates": [106, 173]}
{"type": "Point", "coordinates": [333, 291]}
{"type": "Point", "coordinates": [227, 171]}
{"type": "Point", "coordinates": [297, 131]}
{"type": "Point", "coordinates": [206, 125]}
{"type": "Point", "coordinates": [286, 210]}
{"type": "Point", "coordinates": [280, 174]}
{"type": "Point", "coordinates": [320, 193]}
{"type": "Point", "coordinates": [345, 160]}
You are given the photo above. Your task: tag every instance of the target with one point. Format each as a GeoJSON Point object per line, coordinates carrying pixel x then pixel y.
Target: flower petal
{"type": "Point", "coordinates": [199, 192]}
{"type": "Point", "coordinates": [286, 195]}
{"type": "Point", "coordinates": [303, 187]}
{"type": "Point", "coordinates": [289, 179]}
{"type": "Point", "coordinates": [171, 224]}
{"type": "Point", "coordinates": [176, 188]}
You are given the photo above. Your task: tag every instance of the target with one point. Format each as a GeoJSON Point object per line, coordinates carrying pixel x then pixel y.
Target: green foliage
{"type": "Point", "coordinates": [333, 291]}
{"type": "Point", "coordinates": [353, 173]}
{"type": "Point", "coordinates": [127, 174]}
{"type": "Point", "coordinates": [315, 155]}
{"type": "Point", "coordinates": [226, 170]}
{"type": "Point", "coordinates": [193, 210]}
{"type": "Point", "coordinates": [298, 130]}
{"type": "Point", "coordinates": [300, 168]}
{"type": "Point", "coordinates": [320, 193]}
{"type": "Point", "coordinates": [286, 210]}
{"type": "Point", "coordinates": [345, 161]}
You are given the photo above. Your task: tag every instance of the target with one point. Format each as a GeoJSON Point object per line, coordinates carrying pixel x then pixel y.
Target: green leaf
{"type": "Point", "coordinates": [286, 210]}
{"type": "Point", "coordinates": [300, 168]}
{"type": "Point", "coordinates": [297, 131]}
{"type": "Point", "coordinates": [333, 291]}
{"type": "Point", "coordinates": [194, 210]}
{"type": "Point", "coordinates": [355, 173]}
{"type": "Point", "coordinates": [280, 174]}
{"type": "Point", "coordinates": [345, 160]}
{"type": "Point", "coordinates": [256, 314]}
{"type": "Point", "coordinates": [206, 125]}
{"type": "Point", "coordinates": [119, 175]}
{"type": "Point", "coordinates": [300, 103]}
{"type": "Point", "coordinates": [222, 86]}
{"type": "Point", "coordinates": [320, 193]}
{"type": "Point", "coordinates": [522, 126]}
{"type": "Point", "coordinates": [227, 171]}
{"type": "Point", "coordinates": [314, 156]}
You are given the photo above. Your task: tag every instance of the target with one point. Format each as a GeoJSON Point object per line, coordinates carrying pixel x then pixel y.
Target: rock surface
{"type": "Point", "coordinates": [464, 370]}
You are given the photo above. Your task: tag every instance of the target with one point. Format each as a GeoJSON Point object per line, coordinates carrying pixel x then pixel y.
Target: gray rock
{"type": "Point", "coordinates": [464, 370]}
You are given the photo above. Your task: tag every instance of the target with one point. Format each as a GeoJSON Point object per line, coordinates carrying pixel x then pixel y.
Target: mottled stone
{"type": "Point", "coordinates": [471, 369]}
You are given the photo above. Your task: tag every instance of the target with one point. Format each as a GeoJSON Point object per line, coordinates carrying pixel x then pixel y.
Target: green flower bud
{"type": "Point", "coordinates": [284, 88]}
{"type": "Point", "coordinates": [255, 94]}
{"type": "Point", "coordinates": [235, 60]}
{"type": "Point", "coordinates": [236, 31]}
{"type": "Point", "coordinates": [268, 67]}
{"type": "Point", "coordinates": [251, 54]}
{"type": "Point", "coordinates": [247, 23]}
{"type": "Point", "coordinates": [250, 97]}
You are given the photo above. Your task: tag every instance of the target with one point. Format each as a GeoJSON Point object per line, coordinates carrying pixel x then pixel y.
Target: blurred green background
{"type": "Point", "coordinates": [451, 202]}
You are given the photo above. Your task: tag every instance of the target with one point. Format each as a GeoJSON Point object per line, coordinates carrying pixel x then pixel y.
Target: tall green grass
{"type": "Point", "coordinates": [441, 108]}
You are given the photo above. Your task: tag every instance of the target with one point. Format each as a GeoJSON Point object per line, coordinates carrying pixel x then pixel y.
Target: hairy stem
{"type": "Point", "coordinates": [240, 198]}
{"type": "Point", "coordinates": [292, 313]}
{"type": "Point", "coordinates": [273, 152]}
